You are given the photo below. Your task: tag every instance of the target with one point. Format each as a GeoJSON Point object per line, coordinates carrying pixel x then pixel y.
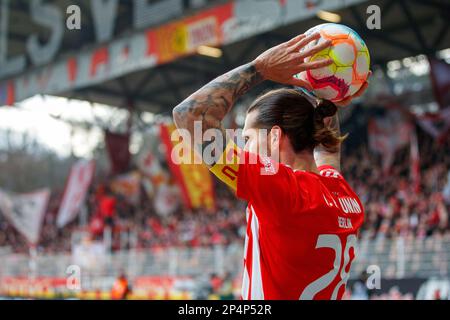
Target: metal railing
{"type": "Point", "coordinates": [405, 257]}
{"type": "Point", "coordinates": [399, 258]}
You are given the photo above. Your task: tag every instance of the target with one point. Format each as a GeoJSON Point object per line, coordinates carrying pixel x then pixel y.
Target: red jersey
{"type": "Point", "coordinates": [301, 228]}
{"type": "Point", "coordinates": [107, 206]}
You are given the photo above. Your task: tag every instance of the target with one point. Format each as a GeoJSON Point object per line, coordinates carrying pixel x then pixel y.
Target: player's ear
{"type": "Point", "coordinates": [275, 138]}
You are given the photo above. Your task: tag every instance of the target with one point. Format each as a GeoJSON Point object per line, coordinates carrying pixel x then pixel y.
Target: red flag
{"type": "Point", "coordinates": [415, 161]}
{"type": "Point", "coordinates": [118, 150]}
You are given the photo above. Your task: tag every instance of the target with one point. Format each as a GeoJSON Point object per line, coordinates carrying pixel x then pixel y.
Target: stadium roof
{"type": "Point", "coordinates": [161, 63]}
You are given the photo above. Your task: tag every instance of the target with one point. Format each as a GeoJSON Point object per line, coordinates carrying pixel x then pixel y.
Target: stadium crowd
{"type": "Point", "coordinates": [392, 207]}
{"type": "Point", "coordinates": [188, 228]}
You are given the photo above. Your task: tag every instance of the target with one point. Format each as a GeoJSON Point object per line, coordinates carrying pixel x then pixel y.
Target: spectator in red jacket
{"type": "Point", "coordinates": [107, 207]}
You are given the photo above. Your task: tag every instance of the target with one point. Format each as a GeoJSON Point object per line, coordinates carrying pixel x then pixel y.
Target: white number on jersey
{"type": "Point", "coordinates": [331, 241]}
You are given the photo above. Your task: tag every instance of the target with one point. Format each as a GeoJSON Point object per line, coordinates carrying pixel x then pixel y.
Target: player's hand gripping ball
{"type": "Point", "coordinates": [351, 62]}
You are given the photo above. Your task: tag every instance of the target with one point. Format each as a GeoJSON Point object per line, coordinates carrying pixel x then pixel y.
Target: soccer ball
{"type": "Point", "coordinates": [351, 62]}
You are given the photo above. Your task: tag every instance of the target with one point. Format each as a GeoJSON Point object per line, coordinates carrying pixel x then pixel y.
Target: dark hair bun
{"type": "Point", "coordinates": [324, 109]}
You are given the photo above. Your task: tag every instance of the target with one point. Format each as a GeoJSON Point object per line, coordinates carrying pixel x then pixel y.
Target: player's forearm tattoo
{"type": "Point", "coordinates": [211, 103]}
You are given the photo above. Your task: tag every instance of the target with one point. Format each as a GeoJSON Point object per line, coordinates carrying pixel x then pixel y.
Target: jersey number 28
{"type": "Point", "coordinates": [331, 241]}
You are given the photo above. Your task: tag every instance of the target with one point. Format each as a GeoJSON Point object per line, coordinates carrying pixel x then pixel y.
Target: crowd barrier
{"type": "Point", "coordinates": [175, 273]}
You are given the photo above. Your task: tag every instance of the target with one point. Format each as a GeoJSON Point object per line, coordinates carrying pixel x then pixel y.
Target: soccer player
{"type": "Point", "coordinates": [302, 216]}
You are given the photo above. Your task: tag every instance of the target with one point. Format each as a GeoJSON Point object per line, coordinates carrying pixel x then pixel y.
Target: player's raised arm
{"type": "Point", "coordinates": [213, 101]}
{"type": "Point", "coordinates": [332, 156]}
{"type": "Point", "coordinates": [210, 104]}
{"type": "Point", "coordinates": [326, 156]}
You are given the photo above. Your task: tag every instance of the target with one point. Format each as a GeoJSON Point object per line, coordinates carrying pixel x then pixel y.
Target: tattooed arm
{"type": "Point", "coordinates": [212, 102]}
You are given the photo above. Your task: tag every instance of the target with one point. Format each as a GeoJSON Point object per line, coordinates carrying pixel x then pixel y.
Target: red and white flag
{"type": "Point", "coordinates": [128, 185]}
{"type": "Point", "coordinates": [167, 199]}
{"type": "Point", "coordinates": [151, 168]}
{"type": "Point", "coordinates": [25, 212]}
{"type": "Point", "coordinates": [387, 135]}
{"type": "Point", "coordinates": [440, 81]}
{"type": "Point", "coordinates": [436, 124]}
{"type": "Point", "coordinates": [77, 185]}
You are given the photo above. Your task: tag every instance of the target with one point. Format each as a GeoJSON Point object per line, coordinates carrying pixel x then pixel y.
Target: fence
{"type": "Point", "coordinates": [405, 257]}
{"type": "Point", "coordinates": [397, 259]}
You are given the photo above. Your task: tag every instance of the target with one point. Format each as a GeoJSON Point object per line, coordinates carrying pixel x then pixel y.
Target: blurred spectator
{"type": "Point", "coordinates": [359, 289]}
{"type": "Point", "coordinates": [107, 206]}
{"type": "Point", "coordinates": [121, 288]}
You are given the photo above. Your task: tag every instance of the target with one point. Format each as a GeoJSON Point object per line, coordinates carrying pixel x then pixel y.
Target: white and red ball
{"type": "Point", "coordinates": [350, 67]}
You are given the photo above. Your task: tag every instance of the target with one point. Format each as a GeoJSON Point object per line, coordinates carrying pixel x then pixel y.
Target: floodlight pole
{"type": "Point", "coordinates": [131, 108]}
